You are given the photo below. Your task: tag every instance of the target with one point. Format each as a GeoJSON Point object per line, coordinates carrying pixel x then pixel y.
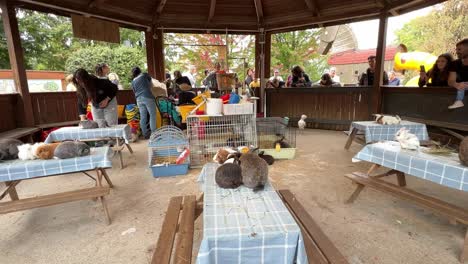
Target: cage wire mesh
{"type": "Point", "coordinates": [274, 130]}
{"type": "Point", "coordinates": [165, 146]}
{"type": "Point", "coordinates": [206, 135]}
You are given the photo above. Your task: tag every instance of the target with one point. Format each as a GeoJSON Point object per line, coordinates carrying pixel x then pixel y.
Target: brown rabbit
{"type": "Point", "coordinates": [463, 151]}
{"type": "Point", "coordinates": [254, 171]}
{"type": "Point", "coordinates": [46, 151]}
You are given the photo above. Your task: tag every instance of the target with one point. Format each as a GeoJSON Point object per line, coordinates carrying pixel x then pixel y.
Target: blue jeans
{"type": "Point", "coordinates": [461, 94]}
{"type": "Point", "coordinates": [147, 105]}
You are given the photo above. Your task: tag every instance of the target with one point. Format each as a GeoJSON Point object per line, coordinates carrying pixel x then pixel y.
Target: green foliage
{"type": "Point", "coordinates": [121, 60]}
{"type": "Point", "coordinates": [298, 48]}
{"type": "Point", "coordinates": [438, 31]}
{"type": "Point", "coordinates": [4, 59]}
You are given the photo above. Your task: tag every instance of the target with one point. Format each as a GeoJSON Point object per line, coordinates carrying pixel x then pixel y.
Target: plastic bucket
{"type": "Point", "coordinates": [185, 111]}
{"type": "Point", "coordinates": [199, 99]}
{"type": "Point", "coordinates": [214, 106]}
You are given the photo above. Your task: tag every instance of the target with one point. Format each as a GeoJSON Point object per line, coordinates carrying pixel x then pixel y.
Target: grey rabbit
{"type": "Point", "coordinates": [88, 124]}
{"type": "Point", "coordinates": [254, 171]}
{"type": "Point", "coordinates": [463, 151]}
{"type": "Point", "coordinates": [102, 123]}
{"type": "Point", "coordinates": [71, 149]}
{"type": "Point", "coordinates": [9, 148]}
{"type": "Point", "coordinates": [268, 158]}
{"type": "Point", "coordinates": [229, 176]}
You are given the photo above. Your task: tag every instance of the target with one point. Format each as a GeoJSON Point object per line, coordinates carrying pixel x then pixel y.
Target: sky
{"type": "Point", "coordinates": [366, 32]}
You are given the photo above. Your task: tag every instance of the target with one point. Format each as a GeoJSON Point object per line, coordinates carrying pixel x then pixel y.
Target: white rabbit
{"type": "Point", "coordinates": [407, 140]}
{"type": "Point", "coordinates": [387, 120]}
{"type": "Point", "coordinates": [301, 123]}
{"type": "Point", "coordinates": [25, 152]}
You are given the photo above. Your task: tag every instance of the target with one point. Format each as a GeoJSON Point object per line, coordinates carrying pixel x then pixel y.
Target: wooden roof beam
{"type": "Point", "coordinates": [259, 10]}
{"type": "Point", "coordinates": [385, 5]}
{"type": "Point", "coordinates": [159, 10]}
{"type": "Point", "coordinates": [212, 11]}
{"type": "Point", "coordinates": [313, 7]}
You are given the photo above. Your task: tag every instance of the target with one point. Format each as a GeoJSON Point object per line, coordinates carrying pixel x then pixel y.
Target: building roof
{"type": "Point", "coordinates": [359, 56]}
{"type": "Point", "coordinates": [228, 15]}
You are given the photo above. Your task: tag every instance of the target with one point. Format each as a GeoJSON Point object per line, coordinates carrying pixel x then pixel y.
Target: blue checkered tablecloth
{"type": "Point", "coordinates": [377, 132]}
{"type": "Point", "coordinates": [19, 169]}
{"type": "Point", "coordinates": [444, 170]}
{"type": "Point", "coordinates": [77, 133]}
{"type": "Point", "coordinates": [241, 226]}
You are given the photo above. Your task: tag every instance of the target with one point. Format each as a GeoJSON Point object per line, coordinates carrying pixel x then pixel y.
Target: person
{"type": "Point", "coordinates": [210, 81]}
{"type": "Point", "coordinates": [70, 86]}
{"type": "Point", "coordinates": [299, 78]}
{"type": "Point", "coordinates": [250, 76]}
{"type": "Point", "coordinates": [367, 78]}
{"type": "Point", "coordinates": [102, 70]}
{"type": "Point", "coordinates": [458, 73]}
{"type": "Point", "coordinates": [100, 92]}
{"type": "Point", "coordinates": [184, 86]}
{"type": "Point", "coordinates": [333, 75]}
{"type": "Point", "coordinates": [141, 86]}
{"type": "Point", "coordinates": [392, 79]}
{"type": "Point", "coordinates": [276, 76]}
{"type": "Point", "coordinates": [327, 81]}
{"type": "Point", "coordinates": [438, 75]}
{"type": "Point", "coordinates": [114, 78]}
{"type": "Point", "coordinates": [289, 80]}
{"type": "Point", "coordinates": [190, 74]}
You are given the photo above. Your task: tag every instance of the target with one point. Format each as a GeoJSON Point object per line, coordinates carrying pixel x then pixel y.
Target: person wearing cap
{"type": "Point", "coordinates": [276, 76]}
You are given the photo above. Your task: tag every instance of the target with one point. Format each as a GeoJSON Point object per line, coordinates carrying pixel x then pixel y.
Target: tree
{"type": "Point", "coordinates": [438, 31]}
{"type": "Point", "coordinates": [4, 59]}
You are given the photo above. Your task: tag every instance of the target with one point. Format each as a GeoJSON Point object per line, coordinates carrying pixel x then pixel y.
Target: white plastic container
{"type": "Point", "coordinates": [238, 109]}
{"type": "Point", "coordinates": [214, 106]}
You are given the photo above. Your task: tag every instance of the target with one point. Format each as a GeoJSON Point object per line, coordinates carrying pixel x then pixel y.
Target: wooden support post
{"type": "Point", "coordinates": [155, 54]}
{"type": "Point", "coordinates": [103, 200]}
{"type": "Point", "coordinates": [464, 253]}
{"type": "Point", "coordinates": [15, 52]}
{"type": "Point", "coordinates": [355, 194]}
{"type": "Point", "coordinates": [401, 179]}
{"type": "Point", "coordinates": [376, 94]}
{"type": "Point", "coordinates": [12, 190]}
{"type": "Point", "coordinates": [351, 137]}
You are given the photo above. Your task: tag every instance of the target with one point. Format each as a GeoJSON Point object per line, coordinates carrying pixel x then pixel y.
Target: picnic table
{"type": "Point", "coordinates": [374, 132]}
{"type": "Point", "coordinates": [444, 170]}
{"type": "Point", "coordinates": [118, 132]}
{"type": "Point", "coordinates": [14, 171]}
{"type": "Point", "coordinates": [240, 226]}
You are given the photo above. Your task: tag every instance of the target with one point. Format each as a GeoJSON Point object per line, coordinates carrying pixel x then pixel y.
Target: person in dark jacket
{"type": "Point", "coordinates": [299, 78]}
{"type": "Point", "coordinates": [141, 85]}
{"type": "Point", "coordinates": [100, 92]}
{"type": "Point", "coordinates": [183, 90]}
{"type": "Point", "coordinates": [367, 78]}
{"type": "Point", "coordinates": [438, 75]}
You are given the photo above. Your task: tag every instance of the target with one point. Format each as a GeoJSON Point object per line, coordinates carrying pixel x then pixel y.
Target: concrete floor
{"type": "Point", "coordinates": [375, 229]}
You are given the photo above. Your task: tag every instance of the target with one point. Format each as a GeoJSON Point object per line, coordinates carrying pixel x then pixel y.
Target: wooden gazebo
{"type": "Point", "coordinates": [258, 17]}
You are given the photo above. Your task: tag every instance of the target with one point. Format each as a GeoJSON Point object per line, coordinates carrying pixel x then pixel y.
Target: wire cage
{"type": "Point", "coordinates": [276, 138]}
{"type": "Point", "coordinates": [207, 134]}
{"type": "Point", "coordinates": [166, 145]}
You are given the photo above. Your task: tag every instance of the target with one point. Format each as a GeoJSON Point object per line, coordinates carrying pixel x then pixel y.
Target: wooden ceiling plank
{"type": "Point", "coordinates": [259, 10]}
{"type": "Point", "coordinates": [212, 10]}
{"type": "Point", "coordinates": [313, 7]}
{"type": "Point", "coordinates": [159, 10]}
{"type": "Point", "coordinates": [95, 3]}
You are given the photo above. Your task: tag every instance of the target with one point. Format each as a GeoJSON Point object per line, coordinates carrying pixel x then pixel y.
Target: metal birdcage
{"type": "Point", "coordinates": [275, 137]}
{"type": "Point", "coordinates": [165, 145]}
{"type": "Point", "coordinates": [207, 134]}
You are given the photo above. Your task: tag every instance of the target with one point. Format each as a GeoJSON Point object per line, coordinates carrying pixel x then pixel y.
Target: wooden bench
{"type": "Point", "coordinates": [453, 213]}
{"type": "Point", "coordinates": [59, 124]}
{"type": "Point", "coordinates": [182, 212]}
{"type": "Point", "coordinates": [20, 133]}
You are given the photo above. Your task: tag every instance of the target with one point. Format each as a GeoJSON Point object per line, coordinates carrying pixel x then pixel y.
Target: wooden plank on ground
{"type": "Point", "coordinates": [162, 254]}
{"type": "Point", "coordinates": [326, 246]}
{"type": "Point", "coordinates": [52, 199]}
{"type": "Point", "coordinates": [448, 210]}
{"type": "Point", "coordinates": [183, 251]}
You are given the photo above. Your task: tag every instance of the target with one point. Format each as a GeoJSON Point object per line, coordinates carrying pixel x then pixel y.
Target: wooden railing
{"type": "Point", "coordinates": [8, 108]}
{"type": "Point", "coordinates": [326, 108]}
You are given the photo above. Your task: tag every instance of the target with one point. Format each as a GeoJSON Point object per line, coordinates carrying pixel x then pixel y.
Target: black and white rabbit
{"type": "Point", "coordinates": [88, 124]}
{"type": "Point", "coordinates": [9, 148]}
{"type": "Point", "coordinates": [254, 171]}
{"type": "Point", "coordinates": [71, 149]}
{"type": "Point", "coordinates": [229, 175]}
{"type": "Point", "coordinates": [282, 143]}
{"type": "Point", "coordinates": [268, 158]}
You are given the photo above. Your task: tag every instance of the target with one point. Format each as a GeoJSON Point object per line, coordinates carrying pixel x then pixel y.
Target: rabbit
{"type": "Point", "coordinates": [268, 158]}
{"type": "Point", "coordinates": [301, 123]}
{"type": "Point", "coordinates": [71, 149]}
{"type": "Point", "coordinates": [88, 124]}
{"type": "Point", "coordinates": [254, 171]}
{"type": "Point", "coordinates": [102, 123]}
{"type": "Point", "coordinates": [229, 176]}
{"type": "Point", "coordinates": [25, 152]}
{"type": "Point", "coordinates": [407, 140]}
{"type": "Point", "coordinates": [9, 148]}
{"type": "Point", "coordinates": [387, 120]}
{"type": "Point", "coordinates": [222, 154]}
{"type": "Point", "coordinates": [463, 151]}
{"type": "Point", "coordinates": [46, 151]}
{"type": "Point", "coordinates": [282, 143]}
